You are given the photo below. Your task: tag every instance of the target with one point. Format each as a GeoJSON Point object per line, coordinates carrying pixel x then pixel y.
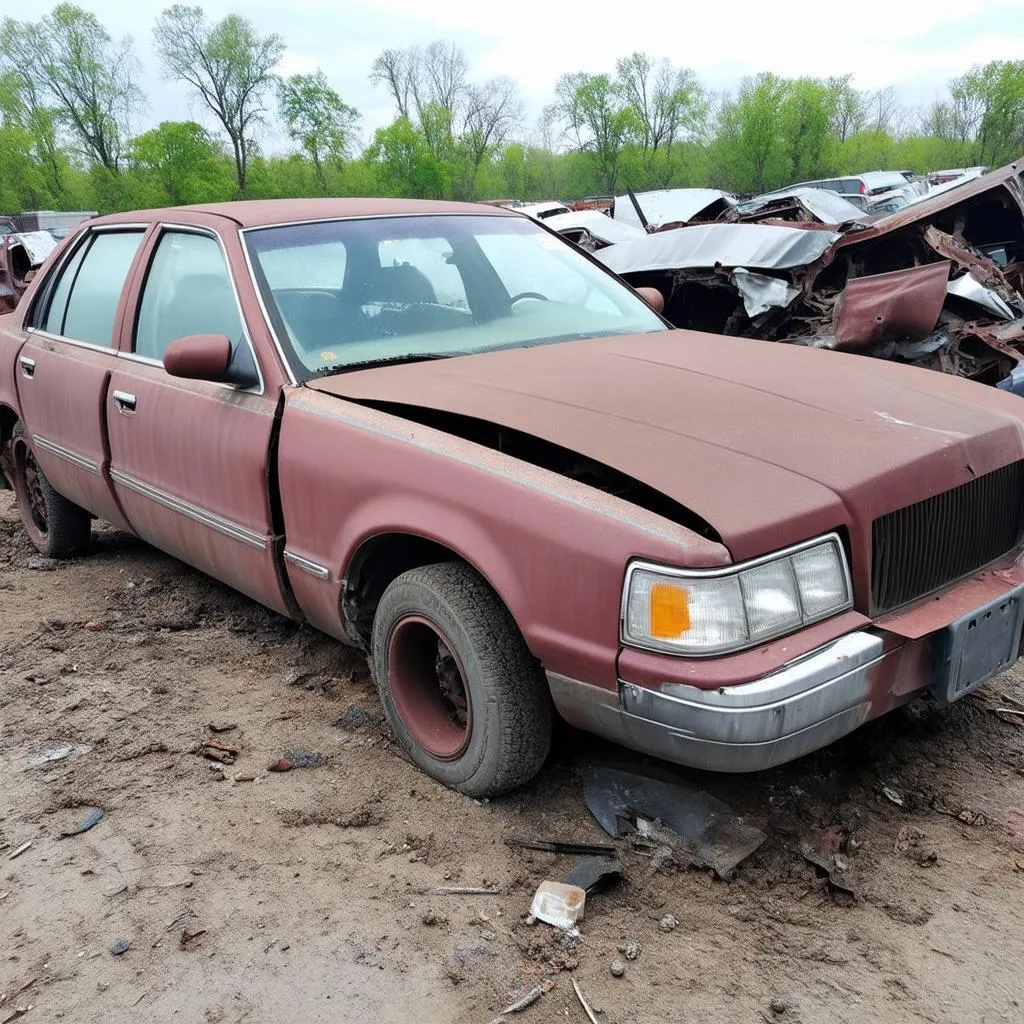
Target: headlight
{"type": "Point", "coordinates": [710, 611]}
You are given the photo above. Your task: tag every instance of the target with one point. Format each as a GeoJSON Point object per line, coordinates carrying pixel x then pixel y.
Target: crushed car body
{"type": "Point", "coordinates": [959, 252]}
{"type": "Point", "coordinates": [20, 254]}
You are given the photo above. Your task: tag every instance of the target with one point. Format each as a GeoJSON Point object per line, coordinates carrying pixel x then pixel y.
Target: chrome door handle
{"type": "Point", "coordinates": [125, 401]}
{"type": "Point", "coordinates": [28, 367]}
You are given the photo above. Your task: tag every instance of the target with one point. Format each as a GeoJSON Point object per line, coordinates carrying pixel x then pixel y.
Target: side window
{"type": "Point", "coordinates": [187, 291]}
{"type": "Point", "coordinates": [84, 303]}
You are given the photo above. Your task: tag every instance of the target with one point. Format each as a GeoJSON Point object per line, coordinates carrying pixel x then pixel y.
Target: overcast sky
{"type": "Point", "coordinates": [917, 46]}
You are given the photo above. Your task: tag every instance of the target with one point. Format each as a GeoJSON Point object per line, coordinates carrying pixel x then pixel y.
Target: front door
{"type": "Point", "coordinates": [190, 459]}
{"type": "Point", "coordinates": [63, 370]}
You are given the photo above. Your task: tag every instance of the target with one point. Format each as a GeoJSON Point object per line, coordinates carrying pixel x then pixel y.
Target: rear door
{"type": "Point", "coordinates": [63, 371]}
{"type": "Point", "coordinates": [190, 460]}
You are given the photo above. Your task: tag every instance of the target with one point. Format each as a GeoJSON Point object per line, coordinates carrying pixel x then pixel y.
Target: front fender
{"type": "Point", "coordinates": [553, 549]}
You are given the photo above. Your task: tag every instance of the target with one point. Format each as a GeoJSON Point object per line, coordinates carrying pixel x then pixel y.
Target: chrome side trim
{"type": "Point", "coordinates": [37, 332]}
{"type": "Point", "coordinates": [200, 515]}
{"type": "Point", "coordinates": [315, 569]}
{"type": "Point", "coordinates": [66, 454]}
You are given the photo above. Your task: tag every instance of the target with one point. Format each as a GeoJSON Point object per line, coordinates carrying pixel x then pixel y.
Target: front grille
{"type": "Point", "coordinates": [920, 548]}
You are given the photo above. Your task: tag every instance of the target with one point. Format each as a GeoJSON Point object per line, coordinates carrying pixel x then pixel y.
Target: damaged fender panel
{"type": "Point", "coordinates": [904, 305]}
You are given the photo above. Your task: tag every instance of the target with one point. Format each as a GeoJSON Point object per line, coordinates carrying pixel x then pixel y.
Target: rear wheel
{"type": "Point", "coordinates": [464, 696]}
{"type": "Point", "coordinates": [58, 528]}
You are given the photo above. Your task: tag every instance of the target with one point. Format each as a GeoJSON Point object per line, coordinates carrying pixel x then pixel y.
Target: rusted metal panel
{"type": "Point", "coordinates": [686, 413]}
{"type": "Point", "coordinates": [901, 306]}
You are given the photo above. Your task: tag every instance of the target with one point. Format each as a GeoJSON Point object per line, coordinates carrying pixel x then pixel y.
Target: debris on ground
{"type": "Point", "coordinates": [825, 852]}
{"type": "Point", "coordinates": [20, 850]}
{"type": "Point", "coordinates": [617, 967]}
{"type": "Point", "coordinates": [558, 904]}
{"type": "Point", "coordinates": [779, 1004]}
{"type": "Point", "coordinates": [466, 890]}
{"type": "Point", "coordinates": [51, 755]}
{"type": "Point", "coordinates": [90, 820]}
{"type": "Point", "coordinates": [16, 989]}
{"type": "Point", "coordinates": [667, 815]}
{"type": "Point", "coordinates": [631, 949]}
{"type": "Point", "coordinates": [121, 947]}
{"type": "Point", "coordinates": [593, 874]}
{"type": "Point", "coordinates": [893, 796]}
{"type": "Point", "coordinates": [190, 934]}
{"type": "Point", "coordinates": [282, 764]}
{"type": "Point", "coordinates": [527, 1000]}
{"type": "Point", "coordinates": [304, 758]}
{"type": "Point", "coordinates": [354, 717]}
{"type": "Point", "coordinates": [558, 846]}
{"type": "Point", "coordinates": [668, 923]}
{"type": "Point", "coordinates": [219, 750]}
{"type": "Point", "coordinates": [217, 727]}
{"type": "Point", "coordinates": [583, 1002]}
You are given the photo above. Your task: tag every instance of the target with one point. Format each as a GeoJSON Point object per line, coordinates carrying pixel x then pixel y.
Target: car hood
{"type": "Point", "coordinates": [769, 443]}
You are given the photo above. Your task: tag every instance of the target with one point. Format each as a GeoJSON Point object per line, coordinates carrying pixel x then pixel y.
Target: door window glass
{"type": "Point", "coordinates": [85, 300]}
{"type": "Point", "coordinates": [96, 290]}
{"type": "Point", "coordinates": [188, 291]}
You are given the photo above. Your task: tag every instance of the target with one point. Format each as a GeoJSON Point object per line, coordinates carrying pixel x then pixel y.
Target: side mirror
{"type": "Point", "coordinates": [210, 357]}
{"type": "Point", "coordinates": [653, 298]}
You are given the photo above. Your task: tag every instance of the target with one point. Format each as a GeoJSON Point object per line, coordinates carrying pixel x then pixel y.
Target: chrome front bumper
{"type": "Point", "coordinates": [742, 728]}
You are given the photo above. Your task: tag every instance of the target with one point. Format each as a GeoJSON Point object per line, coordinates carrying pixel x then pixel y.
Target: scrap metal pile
{"type": "Point", "coordinates": [21, 253]}
{"type": "Point", "coordinates": [938, 284]}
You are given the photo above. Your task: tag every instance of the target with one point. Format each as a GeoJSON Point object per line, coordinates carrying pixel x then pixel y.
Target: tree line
{"type": "Point", "coordinates": [71, 107]}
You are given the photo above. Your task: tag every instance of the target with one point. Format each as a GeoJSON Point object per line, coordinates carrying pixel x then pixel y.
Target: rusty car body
{"type": "Point", "coordinates": [445, 435]}
{"type": "Point", "coordinates": [973, 231]}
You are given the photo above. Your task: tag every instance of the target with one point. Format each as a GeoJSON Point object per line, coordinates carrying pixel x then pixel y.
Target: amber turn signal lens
{"type": "Point", "coordinates": [670, 611]}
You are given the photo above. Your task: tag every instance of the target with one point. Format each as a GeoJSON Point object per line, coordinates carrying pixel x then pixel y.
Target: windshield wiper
{"type": "Point", "coordinates": [368, 364]}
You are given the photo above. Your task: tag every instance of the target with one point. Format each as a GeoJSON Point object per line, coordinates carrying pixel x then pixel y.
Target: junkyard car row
{"type": "Point", "coordinates": [445, 434]}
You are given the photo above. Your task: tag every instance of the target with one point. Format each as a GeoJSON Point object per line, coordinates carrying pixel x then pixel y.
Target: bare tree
{"type": "Point", "coordinates": [68, 63]}
{"type": "Point", "coordinates": [884, 112]}
{"type": "Point", "coordinates": [850, 107]}
{"type": "Point", "coordinates": [228, 64]}
{"type": "Point", "coordinates": [394, 70]}
{"type": "Point", "coordinates": [492, 111]}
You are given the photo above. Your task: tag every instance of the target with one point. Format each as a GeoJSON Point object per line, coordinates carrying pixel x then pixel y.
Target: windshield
{"type": "Point", "coordinates": [347, 293]}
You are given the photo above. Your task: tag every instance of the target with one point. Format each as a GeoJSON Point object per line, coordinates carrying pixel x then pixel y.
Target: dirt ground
{"type": "Point", "coordinates": [304, 896]}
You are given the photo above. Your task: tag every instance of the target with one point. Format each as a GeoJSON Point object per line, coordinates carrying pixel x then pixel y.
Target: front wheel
{"type": "Point", "coordinates": [58, 528]}
{"type": "Point", "coordinates": [461, 691]}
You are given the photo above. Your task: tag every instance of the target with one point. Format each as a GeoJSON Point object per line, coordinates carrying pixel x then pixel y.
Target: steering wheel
{"type": "Point", "coordinates": [527, 295]}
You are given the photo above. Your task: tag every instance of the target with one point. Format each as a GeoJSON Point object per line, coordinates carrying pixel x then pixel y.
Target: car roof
{"type": "Point", "coordinates": [250, 213]}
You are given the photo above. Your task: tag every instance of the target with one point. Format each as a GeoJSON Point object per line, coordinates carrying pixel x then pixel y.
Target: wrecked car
{"type": "Point", "coordinates": [939, 284]}
{"type": "Point", "coordinates": [21, 253]}
{"type": "Point", "coordinates": [591, 229]}
{"type": "Point", "coordinates": [668, 207]}
{"type": "Point", "coordinates": [449, 437]}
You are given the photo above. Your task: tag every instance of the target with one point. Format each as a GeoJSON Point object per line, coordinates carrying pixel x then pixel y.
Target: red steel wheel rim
{"type": "Point", "coordinates": [31, 475]}
{"type": "Point", "coordinates": [428, 685]}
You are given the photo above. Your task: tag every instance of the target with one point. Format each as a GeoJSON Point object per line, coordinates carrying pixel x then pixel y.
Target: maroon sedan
{"type": "Point", "coordinates": [441, 433]}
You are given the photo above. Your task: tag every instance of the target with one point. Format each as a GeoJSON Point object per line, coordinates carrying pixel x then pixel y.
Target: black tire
{"type": "Point", "coordinates": [58, 528]}
{"type": "Point", "coordinates": [439, 627]}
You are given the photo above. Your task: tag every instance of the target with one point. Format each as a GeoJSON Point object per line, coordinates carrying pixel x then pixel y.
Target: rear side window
{"type": "Point", "coordinates": [188, 291]}
{"type": "Point", "coordinates": [85, 300]}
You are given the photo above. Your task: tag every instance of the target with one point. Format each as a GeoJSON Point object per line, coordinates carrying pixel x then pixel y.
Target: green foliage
{"type": "Point", "coordinates": [316, 118]}
{"type": "Point", "coordinates": [178, 163]}
{"type": "Point", "coordinates": [68, 100]}
{"type": "Point", "coordinates": [405, 164]}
